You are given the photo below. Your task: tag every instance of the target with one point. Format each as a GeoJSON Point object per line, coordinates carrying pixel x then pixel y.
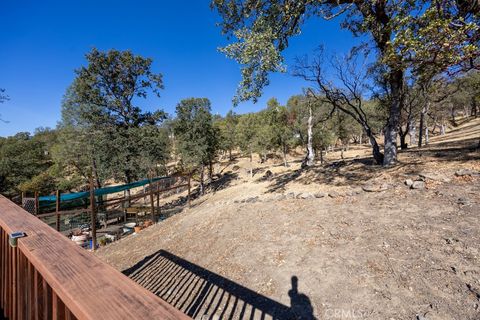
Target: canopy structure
{"type": "Point", "coordinates": [46, 201]}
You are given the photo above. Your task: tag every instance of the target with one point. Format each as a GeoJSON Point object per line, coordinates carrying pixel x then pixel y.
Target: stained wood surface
{"type": "Point", "coordinates": [86, 286]}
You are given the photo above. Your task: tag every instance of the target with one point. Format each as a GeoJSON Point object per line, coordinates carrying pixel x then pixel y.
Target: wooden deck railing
{"type": "Point", "coordinates": [48, 277]}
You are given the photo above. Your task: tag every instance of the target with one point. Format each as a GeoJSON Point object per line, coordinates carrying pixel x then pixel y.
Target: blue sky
{"type": "Point", "coordinates": [43, 42]}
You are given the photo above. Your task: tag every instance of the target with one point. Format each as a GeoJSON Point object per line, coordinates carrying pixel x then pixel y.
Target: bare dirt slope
{"type": "Point", "coordinates": [314, 244]}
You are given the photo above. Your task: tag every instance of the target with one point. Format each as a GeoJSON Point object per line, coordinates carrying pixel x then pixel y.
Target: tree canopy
{"type": "Point", "coordinates": [419, 36]}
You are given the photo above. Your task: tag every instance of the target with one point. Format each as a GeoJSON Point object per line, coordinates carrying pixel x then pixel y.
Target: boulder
{"type": "Point", "coordinates": [268, 175]}
{"type": "Point", "coordinates": [252, 199]}
{"type": "Point", "coordinates": [409, 182]}
{"type": "Point", "coordinates": [419, 185]}
{"type": "Point", "coordinates": [290, 195]}
{"type": "Point", "coordinates": [305, 196]}
{"type": "Point", "coordinates": [320, 194]}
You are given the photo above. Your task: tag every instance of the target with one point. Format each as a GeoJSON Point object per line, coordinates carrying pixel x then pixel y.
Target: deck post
{"type": "Point", "coordinates": [152, 203]}
{"type": "Point", "coordinates": [189, 190]}
{"type": "Point", "coordinates": [158, 199]}
{"type": "Point", "coordinates": [93, 215]}
{"type": "Point", "coordinates": [37, 203]}
{"type": "Point", "coordinates": [57, 210]}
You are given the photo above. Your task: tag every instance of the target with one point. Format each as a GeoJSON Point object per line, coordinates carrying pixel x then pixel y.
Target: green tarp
{"type": "Point", "coordinates": [46, 201]}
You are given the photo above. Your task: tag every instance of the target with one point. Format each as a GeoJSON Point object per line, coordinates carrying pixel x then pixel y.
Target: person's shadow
{"type": "Point", "coordinates": [300, 304]}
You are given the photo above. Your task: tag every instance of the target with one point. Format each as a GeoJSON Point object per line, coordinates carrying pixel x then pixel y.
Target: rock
{"type": "Point", "coordinates": [268, 175]}
{"type": "Point", "coordinates": [280, 197]}
{"type": "Point", "coordinates": [375, 188]}
{"type": "Point", "coordinates": [451, 240]}
{"type": "Point", "coordinates": [251, 200]}
{"type": "Point", "coordinates": [409, 182]}
{"type": "Point", "coordinates": [463, 201]}
{"type": "Point", "coordinates": [419, 185]}
{"type": "Point", "coordinates": [236, 168]}
{"type": "Point", "coordinates": [350, 193]}
{"type": "Point", "coordinates": [320, 194]}
{"type": "Point", "coordinates": [434, 177]}
{"type": "Point", "coordinates": [420, 317]}
{"type": "Point", "coordinates": [334, 194]}
{"type": "Point", "coordinates": [290, 195]}
{"type": "Point", "coordinates": [305, 196]}
{"type": "Point", "coordinates": [386, 186]}
{"type": "Point", "coordinates": [465, 172]}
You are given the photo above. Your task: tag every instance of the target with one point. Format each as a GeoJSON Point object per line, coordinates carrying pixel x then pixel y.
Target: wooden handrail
{"type": "Point", "coordinates": [47, 276]}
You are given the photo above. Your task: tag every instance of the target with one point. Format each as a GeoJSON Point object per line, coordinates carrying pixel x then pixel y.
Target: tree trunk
{"type": "Point", "coordinates": [310, 158]}
{"type": "Point", "coordinates": [412, 132]}
{"type": "Point", "coordinates": [426, 134]}
{"type": "Point", "coordinates": [390, 149]}
{"type": "Point", "coordinates": [230, 154]}
{"type": "Point", "coordinates": [377, 155]}
{"type": "Point", "coordinates": [210, 170]}
{"type": "Point", "coordinates": [442, 129]}
{"type": "Point", "coordinates": [403, 141]}
{"type": "Point", "coordinates": [403, 136]}
{"type": "Point", "coordinates": [454, 122]}
{"type": "Point", "coordinates": [251, 164]}
{"type": "Point", "coordinates": [284, 150]}
{"type": "Point", "coordinates": [422, 123]}
{"type": "Point", "coordinates": [202, 169]}
{"type": "Point", "coordinates": [473, 104]}
{"type": "Point", "coordinates": [321, 156]}
{"type": "Point", "coordinates": [95, 173]}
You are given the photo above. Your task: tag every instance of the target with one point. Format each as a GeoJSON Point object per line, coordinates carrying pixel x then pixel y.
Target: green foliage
{"type": "Point", "coordinates": [247, 133]}
{"type": "Point", "coordinates": [110, 83]}
{"type": "Point", "coordinates": [131, 154]}
{"type": "Point", "coordinates": [322, 138]}
{"type": "Point", "coordinates": [116, 139]}
{"type": "Point", "coordinates": [43, 182]}
{"type": "Point", "coordinates": [195, 133]}
{"type": "Point", "coordinates": [227, 129]}
{"type": "Point", "coordinates": [22, 158]}
{"type": "Point", "coordinates": [406, 33]}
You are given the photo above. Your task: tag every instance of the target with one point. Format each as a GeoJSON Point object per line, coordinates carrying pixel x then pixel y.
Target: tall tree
{"type": "Point", "coordinates": [196, 136]}
{"type": "Point", "coordinates": [105, 99]}
{"type": "Point", "coordinates": [246, 135]}
{"type": "Point", "coordinates": [24, 157]}
{"type": "Point", "coordinates": [227, 127]}
{"type": "Point", "coordinates": [280, 133]}
{"type": "Point", "coordinates": [348, 96]}
{"type": "Point", "coordinates": [405, 34]}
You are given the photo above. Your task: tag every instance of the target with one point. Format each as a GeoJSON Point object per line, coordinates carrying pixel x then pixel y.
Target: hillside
{"type": "Point", "coordinates": [358, 240]}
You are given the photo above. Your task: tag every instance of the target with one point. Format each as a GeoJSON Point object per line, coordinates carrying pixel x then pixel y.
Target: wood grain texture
{"type": "Point", "coordinates": [88, 287]}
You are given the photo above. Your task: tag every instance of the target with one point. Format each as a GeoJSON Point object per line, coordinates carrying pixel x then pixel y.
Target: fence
{"type": "Point", "coordinates": [46, 276]}
{"type": "Point", "coordinates": [67, 220]}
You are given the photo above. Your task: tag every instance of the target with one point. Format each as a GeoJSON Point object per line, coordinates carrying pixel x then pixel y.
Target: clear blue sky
{"type": "Point", "coordinates": [43, 42]}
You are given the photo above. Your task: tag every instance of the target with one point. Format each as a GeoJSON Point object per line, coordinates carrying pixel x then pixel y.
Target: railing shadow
{"type": "Point", "coordinates": [202, 294]}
